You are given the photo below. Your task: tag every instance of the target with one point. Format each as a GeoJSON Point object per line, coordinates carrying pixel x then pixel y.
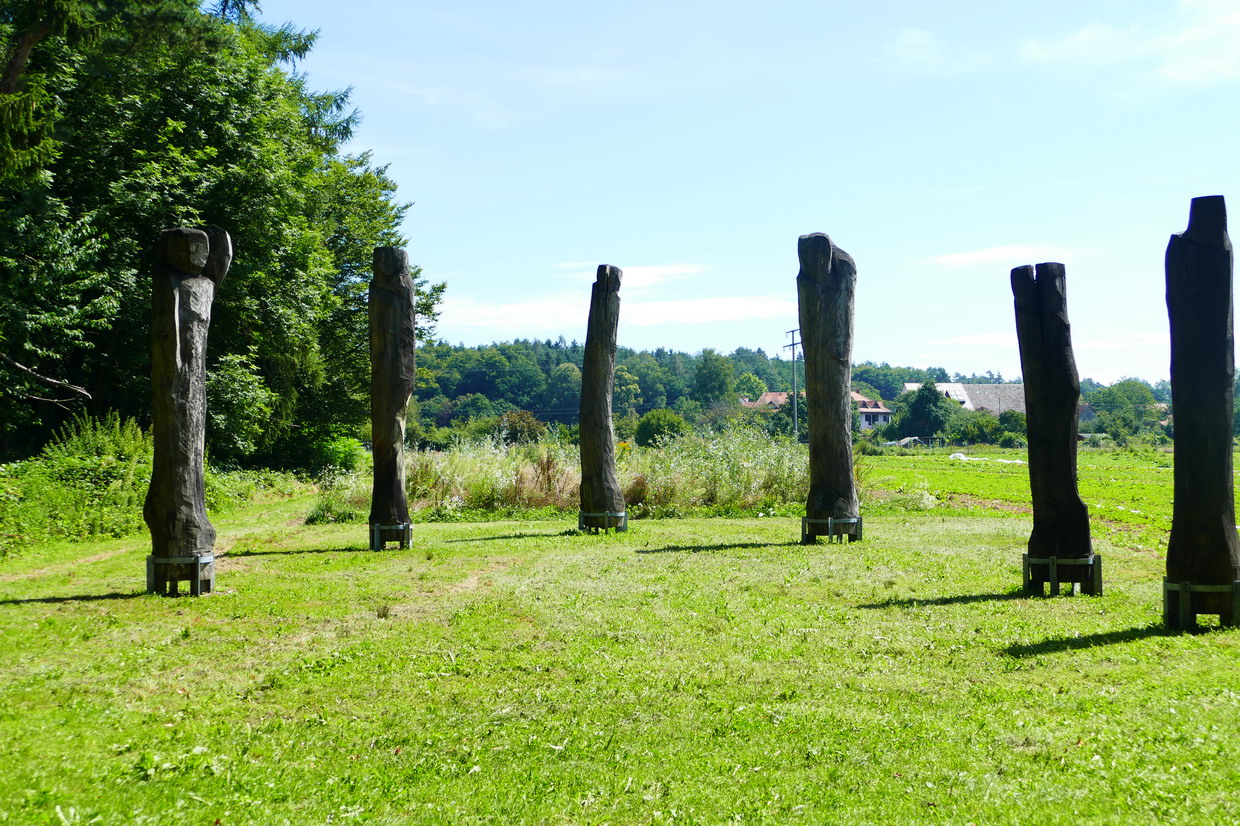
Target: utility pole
{"type": "Point", "coordinates": [792, 336]}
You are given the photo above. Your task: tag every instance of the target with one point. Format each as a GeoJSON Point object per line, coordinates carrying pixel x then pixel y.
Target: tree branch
{"type": "Point", "coordinates": [45, 379]}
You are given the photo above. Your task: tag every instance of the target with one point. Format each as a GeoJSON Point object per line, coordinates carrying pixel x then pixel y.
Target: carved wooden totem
{"type": "Point", "coordinates": [392, 373]}
{"type": "Point", "coordinates": [825, 288]}
{"type": "Point", "coordinates": [602, 501]}
{"type": "Point", "coordinates": [1203, 552]}
{"type": "Point", "coordinates": [1059, 546]}
{"type": "Point", "coordinates": [191, 264]}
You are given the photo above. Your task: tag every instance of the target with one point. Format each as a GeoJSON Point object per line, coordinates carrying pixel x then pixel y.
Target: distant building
{"type": "Point", "coordinates": [771, 400]}
{"type": "Point", "coordinates": [993, 398]}
{"type": "Point", "coordinates": [873, 413]}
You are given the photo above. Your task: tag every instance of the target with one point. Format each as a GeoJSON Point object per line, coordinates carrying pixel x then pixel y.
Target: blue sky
{"type": "Point", "coordinates": [691, 143]}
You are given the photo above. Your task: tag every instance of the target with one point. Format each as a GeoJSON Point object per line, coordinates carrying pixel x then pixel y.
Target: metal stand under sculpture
{"type": "Point", "coordinates": [1059, 546]}
{"type": "Point", "coordinates": [825, 288]}
{"type": "Point", "coordinates": [602, 501]}
{"type": "Point", "coordinates": [1203, 552]}
{"type": "Point", "coordinates": [191, 264]}
{"type": "Point", "coordinates": [392, 373]}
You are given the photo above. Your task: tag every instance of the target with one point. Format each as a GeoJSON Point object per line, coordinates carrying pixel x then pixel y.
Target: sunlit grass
{"type": "Point", "coordinates": [698, 671]}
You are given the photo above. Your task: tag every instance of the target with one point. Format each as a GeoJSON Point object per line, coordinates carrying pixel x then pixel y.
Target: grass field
{"type": "Point", "coordinates": [693, 671]}
{"type": "Point", "coordinates": [1129, 493]}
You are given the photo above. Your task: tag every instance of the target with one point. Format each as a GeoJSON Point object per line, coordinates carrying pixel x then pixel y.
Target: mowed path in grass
{"type": "Point", "coordinates": [694, 671]}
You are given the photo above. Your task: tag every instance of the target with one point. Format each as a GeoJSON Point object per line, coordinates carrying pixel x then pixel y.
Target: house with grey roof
{"type": "Point", "coordinates": [993, 398]}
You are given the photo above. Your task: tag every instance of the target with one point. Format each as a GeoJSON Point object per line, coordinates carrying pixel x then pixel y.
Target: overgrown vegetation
{"type": "Point", "coordinates": [91, 480]}
{"type": "Point", "coordinates": [740, 471]}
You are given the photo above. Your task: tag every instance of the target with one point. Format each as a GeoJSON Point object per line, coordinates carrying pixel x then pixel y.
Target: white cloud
{"type": "Point", "coordinates": [1014, 255]}
{"type": "Point", "coordinates": [922, 52]}
{"type": "Point", "coordinates": [1199, 47]}
{"type": "Point", "coordinates": [552, 313]}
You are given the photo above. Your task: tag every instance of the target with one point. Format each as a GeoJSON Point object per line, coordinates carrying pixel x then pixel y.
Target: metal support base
{"type": "Point", "coordinates": [1083, 571]}
{"type": "Point", "coordinates": [838, 529]}
{"type": "Point", "coordinates": [380, 535]}
{"type": "Point", "coordinates": [1183, 601]}
{"type": "Point", "coordinates": [163, 574]}
{"type": "Point", "coordinates": [619, 518]}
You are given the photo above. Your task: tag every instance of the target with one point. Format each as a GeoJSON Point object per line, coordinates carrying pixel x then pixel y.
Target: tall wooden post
{"type": "Point", "coordinates": [825, 288]}
{"type": "Point", "coordinates": [392, 374]}
{"type": "Point", "coordinates": [1203, 552]}
{"type": "Point", "coordinates": [1059, 546]}
{"type": "Point", "coordinates": [602, 500]}
{"type": "Point", "coordinates": [191, 263]}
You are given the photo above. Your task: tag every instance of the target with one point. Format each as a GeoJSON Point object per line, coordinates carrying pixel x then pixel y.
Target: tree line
{"type": "Point", "coordinates": [121, 118]}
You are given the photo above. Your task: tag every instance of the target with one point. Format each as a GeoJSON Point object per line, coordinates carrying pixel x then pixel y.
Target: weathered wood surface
{"type": "Point", "coordinates": [600, 487]}
{"type": "Point", "coordinates": [392, 373]}
{"type": "Point", "coordinates": [826, 285]}
{"type": "Point", "coordinates": [191, 264]}
{"type": "Point", "coordinates": [1052, 397]}
{"type": "Point", "coordinates": [1203, 548]}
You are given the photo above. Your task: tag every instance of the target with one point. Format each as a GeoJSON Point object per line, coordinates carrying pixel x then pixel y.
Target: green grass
{"type": "Point", "coordinates": [693, 671]}
{"type": "Point", "coordinates": [1128, 493]}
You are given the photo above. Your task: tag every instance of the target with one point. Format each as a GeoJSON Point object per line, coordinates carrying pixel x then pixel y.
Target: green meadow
{"type": "Point", "coordinates": [688, 671]}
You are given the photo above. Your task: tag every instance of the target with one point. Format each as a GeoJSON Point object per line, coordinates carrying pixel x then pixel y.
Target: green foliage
{"type": "Point", "coordinates": [782, 424]}
{"type": "Point", "coordinates": [923, 413]}
{"type": "Point", "coordinates": [1013, 421]}
{"type": "Point", "coordinates": [659, 426]}
{"type": "Point", "coordinates": [520, 427]}
{"type": "Point", "coordinates": [867, 390]}
{"type": "Point", "coordinates": [626, 393]}
{"type": "Point", "coordinates": [168, 116]}
{"type": "Point", "coordinates": [238, 408]}
{"type": "Point", "coordinates": [889, 381]}
{"type": "Point", "coordinates": [1125, 409]}
{"type": "Point", "coordinates": [749, 386]}
{"type": "Point", "coordinates": [713, 379]}
{"type": "Point", "coordinates": [973, 427]}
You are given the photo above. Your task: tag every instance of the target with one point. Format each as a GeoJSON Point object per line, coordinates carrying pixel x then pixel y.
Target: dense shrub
{"type": "Point", "coordinates": [90, 480]}
{"type": "Point", "coordinates": [519, 426]}
{"type": "Point", "coordinates": [658, 425]}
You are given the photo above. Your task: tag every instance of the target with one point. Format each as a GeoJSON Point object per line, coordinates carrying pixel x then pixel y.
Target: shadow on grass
{"type": "Point", "coordinates": [1057, 645]}
{"type": "Point", "coordinates": [723, 546]}
{"type": "Point", "coordinates": [510, 536]}
{"type": "Point", "coordinates": [296, 551]}
{"type": "Point", "coordinates": [962, 599]}
{"type": "Point", "coordinates": [82, 598]}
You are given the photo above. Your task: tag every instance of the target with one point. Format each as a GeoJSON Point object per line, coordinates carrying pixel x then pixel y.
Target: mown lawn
{"type": "Point", "coordinates": [695, 671]}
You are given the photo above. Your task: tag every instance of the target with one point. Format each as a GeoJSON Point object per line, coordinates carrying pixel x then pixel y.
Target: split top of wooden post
{"type": "Point", "coordinates": [609, 277]}
{"type": "Point", "coordinates": [390, 264]}
{"type": "Point", "coordinates": [819, 254]}
{"type": "Point", "coordinates": [197, 252]}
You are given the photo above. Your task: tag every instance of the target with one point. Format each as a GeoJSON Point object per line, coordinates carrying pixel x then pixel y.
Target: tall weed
{"type": "Point", "coordinates": [736, 471]}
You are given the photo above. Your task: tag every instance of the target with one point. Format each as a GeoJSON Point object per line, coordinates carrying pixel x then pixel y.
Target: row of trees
{"type": "Point", "coordinates": [457, 384]}
{"type": "Point", "coordinates": [119, 118]}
